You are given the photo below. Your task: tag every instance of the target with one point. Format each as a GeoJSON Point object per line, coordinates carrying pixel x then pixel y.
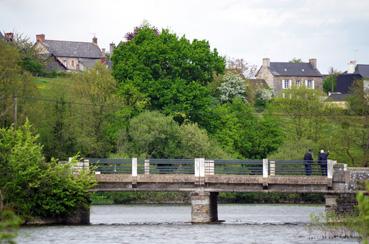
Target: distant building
{"type": "Point", "coordinates": [69, 55]}
{"type": "Point", "coordinates": [1, 36]}
{"type": "Point", "coordinates": [284, 75]}
{"type": "Point", "coordinates": [355, 72]}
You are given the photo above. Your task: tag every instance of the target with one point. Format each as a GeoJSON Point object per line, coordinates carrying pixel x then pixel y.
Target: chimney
{"type": "Point", "coordinates": [40, 38]}
{"type": "Point", "coordinates": [351, 67]}
{"type": "Point", "coordinates": [9, 36]}
{"type": "Point", "coordinates": [112, 47]}
{"type": "Point", "coordinates": [313, 62]}
{"type": "Point", "coordinates": [266, 62]}
{"type": "Point", "coordinates": [94, 40]}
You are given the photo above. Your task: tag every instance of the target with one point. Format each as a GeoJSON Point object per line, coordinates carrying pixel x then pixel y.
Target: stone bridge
{"type": "Point", "coordinates": [204, 179]}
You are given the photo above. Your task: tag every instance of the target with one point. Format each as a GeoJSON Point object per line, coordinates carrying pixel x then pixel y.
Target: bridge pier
{"type": "Point", "coordinates": [204, 207]}
{"type": "Point", "coordinates": [340, 204]}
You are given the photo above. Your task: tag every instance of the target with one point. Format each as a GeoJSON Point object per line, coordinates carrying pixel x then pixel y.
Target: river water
{"type": "Point", "coordinates": [170, 224]}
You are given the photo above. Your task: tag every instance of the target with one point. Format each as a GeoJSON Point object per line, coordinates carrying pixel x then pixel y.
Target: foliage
{"type": "Point", "coordinates": [359, 106]}
{"type": "Point", "coordinates": [14, 82]}
{"type": "Point", "coordinates": [154, 135]}
{"type": "Point", "coordinates": [96, 89]}
{"type": "Point", "coordinates": [29, 59]}
{"type": "Point", "coordinates": [184, 101]}
{"type": "Point", "coordinates": [151, 134]}
{"type": "Point", "coordinates": [168, 72]}
{"type": "Point", "coordinates": [303, 106]}
{"type": "Point", "coordinates": [9, 224]}
{"type": "Point", "coordinates": [360, 223]}
{"type": "Point", "coordinates": [33, 187]}
{"type": "Point", "coordinates": [150, 55]}
{"type": "Point", "coordinates": [296, 60]}
{"type": "Point", "coordinates": [241, 67]}
{"type": "Point", "coordinates": [263, 96]}
{"type": "Point", "coordinates": [232, 86]}
{"type": "Point", "coordinates": [243, 135]}
{"type": "Point", "coordinates": [329, 83]}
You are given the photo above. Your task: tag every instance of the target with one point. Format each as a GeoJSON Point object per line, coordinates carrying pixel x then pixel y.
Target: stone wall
{"type": "Point", "coordinates": [358, 177]}
{"type": "Point", "coordinates": [78, 217]}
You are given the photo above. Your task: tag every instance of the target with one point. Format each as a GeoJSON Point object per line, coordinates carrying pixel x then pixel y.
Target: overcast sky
{"type": "Point", "coordinates": [334, 32]}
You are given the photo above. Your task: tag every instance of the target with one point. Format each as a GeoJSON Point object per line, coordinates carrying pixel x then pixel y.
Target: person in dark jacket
{"type": "Point", "coordinates": [323, 161]}
{"type": "Point", "coordinates": [308, 160]}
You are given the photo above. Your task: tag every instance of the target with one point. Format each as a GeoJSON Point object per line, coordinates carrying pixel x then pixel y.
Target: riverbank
{"type": "Point", "coordinates": [107, 198]}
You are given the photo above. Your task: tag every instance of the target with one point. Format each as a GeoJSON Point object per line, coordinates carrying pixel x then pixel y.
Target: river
{"type": "Point", "coordinates": [152, 224]}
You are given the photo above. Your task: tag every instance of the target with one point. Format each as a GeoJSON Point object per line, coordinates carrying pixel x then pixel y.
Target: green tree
{"type": "Point", "coordinates": [150, 55]}
{"type": "Point", "coordinates": [329, 83]}
{"type": "Point", "coordinates": [242, 134]}
{"type": "Point", "coordinates": [195, 142]}
{"type": "Point", "coordinates": [302, 109]}
{"type": "Point", "coordinates": [34, 188]}
{"type": "Point", "coordinates": [296, 60]}
{"type": "Point", "coordinates": [170, 72]}
{"type": "Point", "coordinates": [152, 135]}
{"type": "Point", "coordinates": [95, 110]}
{"type": "Point", "coordinates": [15, 84]}
{"type": "Point", "coordinates": [359, 106]}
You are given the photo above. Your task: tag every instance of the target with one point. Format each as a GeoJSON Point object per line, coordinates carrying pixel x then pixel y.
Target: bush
{"type": "Point", "coordinates": [33, 187]}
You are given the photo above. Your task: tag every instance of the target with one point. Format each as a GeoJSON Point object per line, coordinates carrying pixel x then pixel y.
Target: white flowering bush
{"type": "Point", "coordinates": [232, 86]}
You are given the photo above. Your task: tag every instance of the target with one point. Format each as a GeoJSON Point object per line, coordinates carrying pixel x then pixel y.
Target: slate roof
{"type": "Point", "coordinates": [363, 70]}
{"type": "Point", "coordinates": [88, 63]}
{"type": "Point", "coordinates": [345, 81]}
{"type": "Point", "coordinates": [73, 49]}
{"type": "Point", "coordinates": [293, 69]}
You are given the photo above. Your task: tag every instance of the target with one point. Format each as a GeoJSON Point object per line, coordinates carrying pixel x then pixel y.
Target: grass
{"type": "Point", "coordinates": [45, 84]}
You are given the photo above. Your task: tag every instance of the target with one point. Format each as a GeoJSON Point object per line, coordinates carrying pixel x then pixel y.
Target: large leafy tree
{"type": "Point", "coordinates": [150, 55]}
{"type": "Point", "coordinates": [169, 71]}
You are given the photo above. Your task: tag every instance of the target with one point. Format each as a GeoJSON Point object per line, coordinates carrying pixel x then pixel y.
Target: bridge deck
{"type": "Point", "coordinates": [215, 183]}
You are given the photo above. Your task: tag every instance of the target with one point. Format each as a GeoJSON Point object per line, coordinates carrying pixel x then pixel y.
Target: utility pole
{"type": "Point", "coordinates": [15, 101]}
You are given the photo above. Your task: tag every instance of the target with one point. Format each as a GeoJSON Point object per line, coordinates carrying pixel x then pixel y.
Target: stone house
{"type": "Point", "coordinates": [69, 55]}
{"type": "Point", "coordinates": [284, 75]}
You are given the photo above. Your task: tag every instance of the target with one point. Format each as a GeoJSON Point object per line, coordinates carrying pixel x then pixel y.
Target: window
{"type": "Point", "coordinates": [72, 63]}
{"type": "Point", "coordinates": [310, 84]}
{"type": "Point", "coordinates": [298, 83]}
{"type": "Point", "coordinates": [286, 84]}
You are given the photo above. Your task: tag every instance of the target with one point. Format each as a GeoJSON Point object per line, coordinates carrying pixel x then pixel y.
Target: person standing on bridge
{"type": "Point", "coordinates": [308, 160]}
{"type": "Point", "coordinates": [323, 161]}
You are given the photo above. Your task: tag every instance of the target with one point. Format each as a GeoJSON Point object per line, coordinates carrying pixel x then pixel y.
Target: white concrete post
{"type": "Point", "coordinates": [272, 168]}
{"type": "Point", "coordinates": [147, 167]}
{"type": "Point", "coordinates": [330, 168]}
{"type": "Point", "coordinates": [134, 167]}
{"type": "Point", "coordinates": [200, 167]}
{"type": "Point", "coordinates": [265, 168]}
{"type": "Point", "coordinates": [345, 167]}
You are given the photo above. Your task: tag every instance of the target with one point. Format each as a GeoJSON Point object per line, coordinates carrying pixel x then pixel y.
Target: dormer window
{"type": "Point", "coordinates": [285, 69]}
{"type": "Point", "coordinates": [302, 70]}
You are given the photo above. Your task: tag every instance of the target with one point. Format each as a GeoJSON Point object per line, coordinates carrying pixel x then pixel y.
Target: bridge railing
{"type": "Point", "coordinates": [201, 167]}
{"type": "Point", "coordinates": [236, 167]}
{"type": "Point", "coordinates": [296, 167]}
{"type": "Point", "coordinates": [115, 165]}
{"type": "Point", "coordinates": [169, 166]}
